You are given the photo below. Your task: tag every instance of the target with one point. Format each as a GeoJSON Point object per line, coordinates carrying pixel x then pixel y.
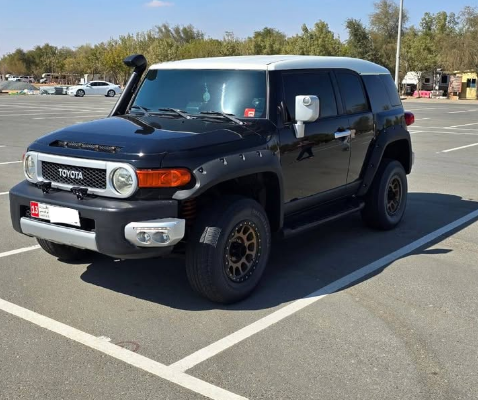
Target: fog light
{"type": "Point", "coordinates": [143, 237]}
{"type": "Point", "coordinates": [161, 237]}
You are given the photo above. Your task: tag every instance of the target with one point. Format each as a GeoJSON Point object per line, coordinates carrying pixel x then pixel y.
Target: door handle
{"type": "Point", "coordinates": [343, 134]}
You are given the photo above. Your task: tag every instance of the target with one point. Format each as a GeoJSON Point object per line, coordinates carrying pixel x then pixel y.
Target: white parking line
{"type": "Point", "coordinates": [10, 162]}
{"type": "Point", "coordinates": [51, 113]}
{"type": "Point", "coordinates": [160, 370]}
{"type": "Point", "coordinates": [419, 109]}
{"type": "Point", "coordinates": [457, 126]}
{"type": "Point", "coordinates": [3, 193]}
{"type": "Point", "coordinates": [18, 251]}
{"type": "Point", "coordinates": [72, 116]}
{"type": "Point", "coordinates": [456, 112]}
{"type": "Point", "coordinates": [458, 148]}
{"type": "Point", "coordinates": [271, 319]}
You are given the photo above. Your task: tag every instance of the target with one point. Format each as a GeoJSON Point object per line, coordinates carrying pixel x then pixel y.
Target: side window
{"type": "Point", "coordinates": [352, 93]}
{"type": "Point", "coordinates": [94, 84]}
{"type": "Point", "coordinates": [377, 93]}
{"type": "Point", "coordinates": [391, 89]}
{"type": "Point", "coordinates": [314, 83]}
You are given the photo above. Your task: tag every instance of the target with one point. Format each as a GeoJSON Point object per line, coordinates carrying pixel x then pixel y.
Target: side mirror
{"type": "Point", "coordinates": [307, 109]}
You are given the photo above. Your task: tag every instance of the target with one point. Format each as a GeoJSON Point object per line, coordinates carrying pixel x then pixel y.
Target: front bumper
{"type": "Point", "coordinates": [105, 222]}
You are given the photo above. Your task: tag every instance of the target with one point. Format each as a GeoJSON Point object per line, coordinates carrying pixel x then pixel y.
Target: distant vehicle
{"type": "Point", "coordinates": [27, 79]}
{"type": "Point", "coordinates": [107, 89]}
{"type": "Point", "coordinates": [14, 78]}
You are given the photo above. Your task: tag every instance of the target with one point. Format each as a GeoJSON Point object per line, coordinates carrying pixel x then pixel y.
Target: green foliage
{"type": "Point", "coordinates": [359, 44]}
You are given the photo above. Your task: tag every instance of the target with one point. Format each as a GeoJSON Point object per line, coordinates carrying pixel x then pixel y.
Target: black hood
{"type": "Point", "coordinates": [130, 138]}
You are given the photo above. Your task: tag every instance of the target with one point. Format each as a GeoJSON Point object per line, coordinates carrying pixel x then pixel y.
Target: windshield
{"type": "Point", "coordinates": [237, 92]}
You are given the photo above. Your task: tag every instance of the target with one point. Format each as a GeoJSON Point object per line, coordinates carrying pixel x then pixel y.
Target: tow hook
{"type": "Point", "coordinates": [44, 186]}
{"type": "Point", "coordinates": [79, 192]}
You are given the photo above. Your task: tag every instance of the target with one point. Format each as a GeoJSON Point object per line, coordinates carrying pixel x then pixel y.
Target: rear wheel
{"type": "Point", "coordinates": [228, 249]}
{"type": "Point", "coordinates": [62, 251]}
{"type": "Point", "coordinates": [80, 92]}
{"type": "Point", "coordinates": [111, 93]}
{"type": "Point", "coordinates": [386, 200]}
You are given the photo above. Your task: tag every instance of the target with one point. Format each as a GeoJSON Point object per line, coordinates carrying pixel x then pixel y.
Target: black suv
{"type": "Point", "coordinates": [209, 157]}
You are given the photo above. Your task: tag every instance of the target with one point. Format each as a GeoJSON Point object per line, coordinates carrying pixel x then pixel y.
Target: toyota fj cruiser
{"type": "Point", "coordinates": [209, 157]}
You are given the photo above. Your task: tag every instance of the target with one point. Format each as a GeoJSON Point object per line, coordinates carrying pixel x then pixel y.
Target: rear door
{"type": "Point", "coordinates": [360, 120]}
{"type": "Point", "coordinates": [319, 161]}
{"type": "Point", "coordinates": [103, 88]}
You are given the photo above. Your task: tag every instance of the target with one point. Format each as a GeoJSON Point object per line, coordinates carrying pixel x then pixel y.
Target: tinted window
{"type": "Point", "coordinates": [377, 93]}
{"type": "Point", "coordinates": [391, 89]}
{"type": "Point", "coordinates": [318, 84]}
{"type": "Point", "coordinates": [242, 93]}
{"type": "Point", "coordinates": [352, 93]}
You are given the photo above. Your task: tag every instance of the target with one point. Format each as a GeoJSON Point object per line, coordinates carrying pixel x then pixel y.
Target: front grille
{"type": "Point", "coordinates": [92, 177]}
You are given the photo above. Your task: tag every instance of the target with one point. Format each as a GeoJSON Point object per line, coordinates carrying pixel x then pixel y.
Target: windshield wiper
{"type": "Point", "coordinates": [176, 111]}
{"type": "Point", "coordinates": [230, 117]}
{"type": "Point", "coordinates": [144, 109]}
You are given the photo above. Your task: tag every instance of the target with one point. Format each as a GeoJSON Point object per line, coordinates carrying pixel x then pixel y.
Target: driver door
{"type": "Point", "coordinates": [319, 161]}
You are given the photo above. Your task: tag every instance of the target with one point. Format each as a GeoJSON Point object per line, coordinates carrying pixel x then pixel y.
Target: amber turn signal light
{"type": "Point", "coordinates": [163, 178]}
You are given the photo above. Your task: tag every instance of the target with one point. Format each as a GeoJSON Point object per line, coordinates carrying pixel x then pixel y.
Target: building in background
{"type": "Point", "coordinates": [468, 85]}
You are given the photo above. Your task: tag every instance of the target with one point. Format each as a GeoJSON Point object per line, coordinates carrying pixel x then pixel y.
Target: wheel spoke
{"type": "Point", "coordinates": [242, 251]}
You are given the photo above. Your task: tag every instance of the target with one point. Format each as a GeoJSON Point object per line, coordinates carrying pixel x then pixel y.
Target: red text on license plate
{"type": "Point", "coordinates": [34, 210]}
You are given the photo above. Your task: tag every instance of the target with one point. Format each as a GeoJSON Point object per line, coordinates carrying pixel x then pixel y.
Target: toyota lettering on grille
{"type": "Point", "coordinates": [64, 173]}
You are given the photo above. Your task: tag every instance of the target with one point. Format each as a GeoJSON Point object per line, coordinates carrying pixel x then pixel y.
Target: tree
{"type": "Point", "coordinates": [419, 53]}
{"type": "Point", "coordinates": [384, 31]}
{"type": "Point", "coordinates": [317, 41]}
{"type": "Point", "coordinates": [359, 44]}
{"type": "Point", "coordinates": [265, 41]}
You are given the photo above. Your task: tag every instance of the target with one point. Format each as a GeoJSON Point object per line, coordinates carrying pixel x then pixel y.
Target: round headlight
{"type": "Point", "coordinates": [123, 181]}
{"type": "Point", "coordinates": [29, 167]}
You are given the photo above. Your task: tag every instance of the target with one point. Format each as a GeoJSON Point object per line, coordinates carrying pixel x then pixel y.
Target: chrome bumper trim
{"type": "Point", "coordinates": [59, 234]}
{"type": "Point", "coordinates": [173, 227]}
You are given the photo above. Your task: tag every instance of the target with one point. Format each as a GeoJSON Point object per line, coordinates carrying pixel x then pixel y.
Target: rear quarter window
{"type": "Point", "coordinates": [352, 93]}
{"type": "Point", "coordinates": [391, 90]}
{"type": "Point", "coordinates": [377, 93]}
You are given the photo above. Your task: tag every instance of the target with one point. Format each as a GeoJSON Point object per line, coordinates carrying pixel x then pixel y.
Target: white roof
{"type": "Point", "coordinates": [274, 63]}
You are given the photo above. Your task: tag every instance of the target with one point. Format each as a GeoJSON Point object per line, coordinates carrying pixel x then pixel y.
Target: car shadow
{"type": "Point", "coordinates": [297, 266]}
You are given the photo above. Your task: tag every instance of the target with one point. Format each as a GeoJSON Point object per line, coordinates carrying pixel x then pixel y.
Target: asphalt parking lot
{"type": "Point", "coordinates": [342, 312]}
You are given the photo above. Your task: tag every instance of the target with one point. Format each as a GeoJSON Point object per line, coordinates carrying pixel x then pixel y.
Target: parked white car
{"type": "Point", "coordinates": [95, 88]}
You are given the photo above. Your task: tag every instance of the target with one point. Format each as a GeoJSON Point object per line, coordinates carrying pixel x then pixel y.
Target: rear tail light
{"type": "Point", "coordinates": [157, 178]}
{"type": "Point", "coordinates": [409, 118]}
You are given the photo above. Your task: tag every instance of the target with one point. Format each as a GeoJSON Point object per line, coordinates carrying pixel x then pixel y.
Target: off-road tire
{"type": "Point", "coordinates": [208, 255]}
{"type": "Point", "coordinates": [383, 209]}
{"type": "Point", "coordinates": [80, 93]}
{"type": "Point", "coordinates": [62, 251]}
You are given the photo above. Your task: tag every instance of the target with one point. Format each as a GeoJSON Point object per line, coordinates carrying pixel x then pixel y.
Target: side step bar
{"type": "Point", "coordinates": [300, 228]}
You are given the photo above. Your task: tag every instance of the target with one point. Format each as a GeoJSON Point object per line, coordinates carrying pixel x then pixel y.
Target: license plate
{"type": "Point", "coordinates": [54, 214]}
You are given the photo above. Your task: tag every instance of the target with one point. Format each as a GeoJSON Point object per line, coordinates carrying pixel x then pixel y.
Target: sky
{"type": "Point", "coordinates": [27, 23]}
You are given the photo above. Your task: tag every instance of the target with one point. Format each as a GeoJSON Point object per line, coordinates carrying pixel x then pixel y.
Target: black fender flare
{"type": "Point", "coordinates": [232, 166]}
{"type": "Point", "coordinates": [386, 137]}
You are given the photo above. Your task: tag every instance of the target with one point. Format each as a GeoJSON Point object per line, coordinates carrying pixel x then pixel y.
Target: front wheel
{"type": "Point", "coordinates": [228, 249]}
{"type": "Point", "coordinates": [80, 93]}
{"type": "Point", "coordinates": [62, 251]}
{"type": "Point", "coordinates": [386, 201]}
